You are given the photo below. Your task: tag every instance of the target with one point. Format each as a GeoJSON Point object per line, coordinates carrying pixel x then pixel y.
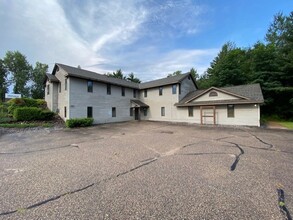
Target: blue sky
{"type": "Point", "coordinates": [150, 38]}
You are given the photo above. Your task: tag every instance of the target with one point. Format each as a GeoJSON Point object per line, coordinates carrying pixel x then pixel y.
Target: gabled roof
{"type": "Point", "coordinates": [139, 103]}
{"type": "Point", "coordinates": [166, 81]}
{"type": "Point", "coordinates": [85, 74]}
{"type": "Point", "coordinates": [51, 78]}
{"type": "Point", "coordinates": [246, 93]}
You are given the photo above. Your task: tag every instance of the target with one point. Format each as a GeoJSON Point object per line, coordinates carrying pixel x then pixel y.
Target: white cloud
{"type": "Point", "coordinates": [105, 35]}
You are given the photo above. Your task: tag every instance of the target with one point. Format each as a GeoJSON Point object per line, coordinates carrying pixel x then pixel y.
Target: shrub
{"type": "Point", "coordinates": [31, 114]}
{"type": "Point", "coordinates": [27, 114]}
{"type": "Point", "coordinates": [79, 122]}
{"type": "Point", "coordinates": [46, 115]}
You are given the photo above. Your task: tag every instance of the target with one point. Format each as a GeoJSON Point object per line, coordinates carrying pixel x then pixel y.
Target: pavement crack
{"type": "Point", "coordinates": [237, 158]}
{"type": "Point", "coordinates": [281, 203]}
{"type": "Point", "coordinates": [268, 144]}
{"type": "Point", "coordinates": [54, 198]}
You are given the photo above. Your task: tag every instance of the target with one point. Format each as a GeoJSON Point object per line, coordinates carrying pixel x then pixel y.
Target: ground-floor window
{"type": "Point", "coordinates": [162, 111]}
{"type": "Point", "coordinates": [190, 111]}
{"type": "Point", "coordinates": [113, 111]}
{"type": "Point", "coordinates": [230, 111]}
{"type": "Point", "coordinates": [89, 112]}
{"type": "Point", "coordinates": [145, 111]}
{"type": "Point", "coordinates": [131, 111]}
{"type": "Point", "coordinates": [65, 112]}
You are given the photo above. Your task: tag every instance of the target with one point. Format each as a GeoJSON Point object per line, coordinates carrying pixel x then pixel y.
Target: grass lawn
{"type": "Point", "coordinates": [26, 125]}
{"type": "Point", "coordinates": [287, 124]}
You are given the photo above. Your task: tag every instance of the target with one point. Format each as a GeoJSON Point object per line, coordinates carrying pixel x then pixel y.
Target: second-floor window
{"type": "Point", "coordinates": [174, 88]}
{"type": "Point", "coordinates": [145, 92]}
{"type": "Point", "coordinates": [161, 90]}
{"type": "Point", "coordinates": [90, 85]}
{"type": "Point", "coordinates": [59, 87]}
{"type": "Point", "coordinates": [122, 91]}
{"type": "Point", "coordinates": [48, 89]}
{"type": "Point", "coordinates": [108, 89]}
{"type": "Point", "coordinates": [134, 93]}
{"type": "Point", "coordinates": [65, 85]}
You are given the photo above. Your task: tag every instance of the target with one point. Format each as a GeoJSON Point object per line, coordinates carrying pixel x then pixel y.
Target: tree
{"type": "Point", "coordinates": [132, 78]}
{"type": "Point", "coordinates": [38, 76]}
{"type": "Point", "coordinates": [118, 74]}
{"type": "Point", "coordinates": [194, 73]}
{"type": "Point", "coordinates": [20, 70]}
{"type": "Point", "coordinates": [3, 81]}
{"type": "Point", "coordinates": [176, 73]}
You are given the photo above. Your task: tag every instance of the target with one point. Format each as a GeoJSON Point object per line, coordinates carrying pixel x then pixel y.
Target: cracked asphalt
{"type": "Point", "coordinates": [146, 170]}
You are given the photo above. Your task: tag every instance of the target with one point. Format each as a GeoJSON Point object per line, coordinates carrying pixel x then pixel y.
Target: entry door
{"type": "Point", "coordinates": [208, 115]}
{"type": "Point", "coordinates": [136, 113]}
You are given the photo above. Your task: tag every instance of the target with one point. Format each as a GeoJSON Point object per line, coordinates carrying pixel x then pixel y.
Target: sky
{"type": "Point", "coordinates": [150, 38]}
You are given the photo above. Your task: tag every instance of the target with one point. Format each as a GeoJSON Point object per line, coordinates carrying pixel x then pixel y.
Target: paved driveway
{"type": "Point", "coordinates": [146, 170]}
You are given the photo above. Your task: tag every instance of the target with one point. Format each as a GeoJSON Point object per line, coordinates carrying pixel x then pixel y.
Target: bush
{"type": "Point", "coordinates": [46, 115]}
{"type": "Point", "coordinates": [27, 114]}
{"type": "Point", "coordinates": [31, 114]}
{"type": "Point", "coordinates": [79, 122]}
{"type": "Point", "coordinates": [25, 102]}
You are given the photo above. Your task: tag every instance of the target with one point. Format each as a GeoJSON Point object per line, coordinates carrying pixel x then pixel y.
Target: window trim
{"type": "Point", "coordinates": [89, 112]}
{"type": "Point", "coordinates": [230, 111]}
{"type": "Point", "coordinates": [65, 85]}
{"type": "Point", "coordinates": [114, 112]}
{"type": "Point", "coordinates": [213, 94]}
{"type": "Point", "coordinates": [160, 90]}
{"type": "Point", "coordinates": [174, 89]}
{"type": "Point", "coordinates": [108, 89]}
{"type": "Point", "coordinates": [90, 86]}
{"type": "Point", "coordinates": [190, 111]}
{"type": "Point", "coordinates": [163, 113]}
{"type": "Point", "coordinates": [65, 112]}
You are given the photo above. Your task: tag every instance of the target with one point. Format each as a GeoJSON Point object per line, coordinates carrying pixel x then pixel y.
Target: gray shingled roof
{"type": "Point", "coordinates": [85, 74]}
{"type": "Point", "coordinates": [248, 93]}
{"type": "Point", "coordinates": [163, 82]}
{"type": "Point", "coordinates": [52, 78]}
{"type": "Point", "coordinates": [139, 103]}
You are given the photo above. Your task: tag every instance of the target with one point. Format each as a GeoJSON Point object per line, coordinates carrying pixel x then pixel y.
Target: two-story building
{"type": "Point", "coordinates": [78, 93]}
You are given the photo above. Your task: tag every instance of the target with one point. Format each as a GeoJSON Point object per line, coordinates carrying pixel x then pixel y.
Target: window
{"type": "Point", "coordinates": [48, 89]}
{"type": "Point", "coordinates": [65, 112]}
{"type": "Point", "coordinates": [161, 91]}
{"type": "Point", "coordinates": [134, 93]}
{"type": "Point", "coordinates": [230, 111]}
{"type": "Point", "coordinates": [122, 91]}
{"type": "Point", "coordinates": [145, 93]}
{"type": "Point", "coordinates": [213, 93]}
{"type": "Point", "coordinates": [59, 87]}
{"type": "Point", "coordinates": [145, 111]}
{"type": "Point", "coordinates": [174, 88]}
{"type": "Point", "coordinates": [162, 111]}
{"type": "Point", "coordinates": [179, 85]}
{"type": "Point", "coordinates": [89, 112]}
{"type": "Point", "coordinates": [190, 111]}
{"type": "Point", "coordinates": [90, 86]}
{"type": "Point", "coordinates": [113, 112]}
{"type": "Point", "coordinates": [131, 111]}
{"type": "Point", "coordinates": [108, 89]}
{"type": "Point", "coordinates": [65, 86]}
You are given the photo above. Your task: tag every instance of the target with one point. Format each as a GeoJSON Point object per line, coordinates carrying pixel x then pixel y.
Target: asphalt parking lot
{"type": "Point", "coordinates": [146, 170]}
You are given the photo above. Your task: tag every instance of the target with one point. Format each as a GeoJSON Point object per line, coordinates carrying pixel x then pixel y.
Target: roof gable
{"type": "Point", "coordinates": [243, 94]}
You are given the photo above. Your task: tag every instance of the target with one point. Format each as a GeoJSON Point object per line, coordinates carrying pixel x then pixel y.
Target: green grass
{"type": "Point", "coordinates": [287, 124]}
{"type": "Point", "coordinates": [26, 125]}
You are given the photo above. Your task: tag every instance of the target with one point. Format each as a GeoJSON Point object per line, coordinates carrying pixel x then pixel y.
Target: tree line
{"type": "Point", "coordinates": [269, 63]}
{"type": "Point", "coordinates": [26, 80]}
